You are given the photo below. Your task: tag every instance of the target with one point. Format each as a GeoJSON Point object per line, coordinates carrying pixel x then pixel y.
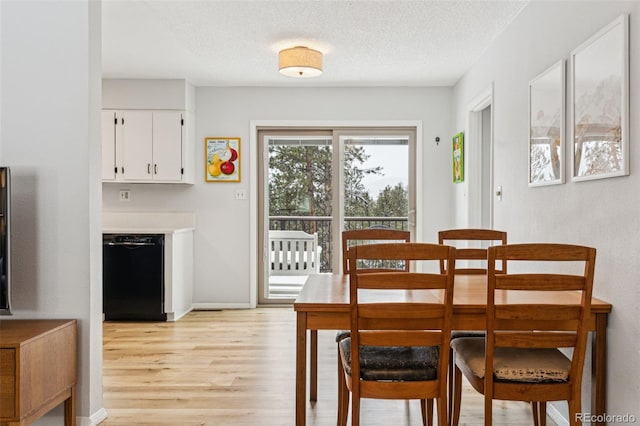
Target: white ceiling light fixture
{"type": "Point", "coordinates": [300, 62]}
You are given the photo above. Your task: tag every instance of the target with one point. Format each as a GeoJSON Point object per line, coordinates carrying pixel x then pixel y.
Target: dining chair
{"type": "Point", "coordinates": [397, 348]}
{"type": "Point", "coordinates": [355, 237]}
{"type": "Point", "coordinates": [352, 238]}
{"type": "Point", "coordinates": [480, 239]}
{"type": "Point", "coordinates": [526, 331]}
{"type": "Point", "coordinates": [476, 255]}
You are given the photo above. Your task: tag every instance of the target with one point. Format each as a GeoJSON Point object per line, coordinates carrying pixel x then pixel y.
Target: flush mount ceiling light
{"type": "Point", "coordinates": [300, 62]}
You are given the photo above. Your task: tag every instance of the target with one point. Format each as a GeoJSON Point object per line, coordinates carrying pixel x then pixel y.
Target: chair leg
{"type": "Point", "coordinates": [451, 367]}
{"type": "Point", "coordinates": [426, 409]}
{"type": "Point", "coordinates": [442, 412]}
{"type": "Point", "coordinates": [534, 412]}
{"type": "Point", "coordinates": [457, 396]}
{"type": "Point", "coordinates": [343, 396]}
{"type": "Point", "coordinates": [313, 366]}
{"type": "Point", "coordinates": [575, 407]}
{"type": "Point", "coordinates": [340, 388]}
{"type": "Point", "coordinates": [488, 410]}
{"type": "Point", "coordinates": [355, 410]}
{"type": "Point", "coordinates": [542, 413]}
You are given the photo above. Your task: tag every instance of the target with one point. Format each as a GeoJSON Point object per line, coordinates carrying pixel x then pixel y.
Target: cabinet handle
{"type": "Point", "coordinates": [122, 170]}
{"type": "Point", "coordinates": [155, 169]}
{"type": "Point", "coordinates": [148, 168]}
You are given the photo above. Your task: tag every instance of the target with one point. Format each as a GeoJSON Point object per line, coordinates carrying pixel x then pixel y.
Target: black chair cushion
{"type": "Point", "coordinates": [466, 333]}
{"type": "Point", "coordinates": [392, 363]}
{"type": "Point", "coordinates": [342, 334]}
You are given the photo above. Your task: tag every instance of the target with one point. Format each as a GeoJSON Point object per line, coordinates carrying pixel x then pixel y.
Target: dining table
{"type": "Point", "coordinates": [323, 304]}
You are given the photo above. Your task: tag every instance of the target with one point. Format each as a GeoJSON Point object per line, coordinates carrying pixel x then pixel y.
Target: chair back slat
{"type": "Point", "coordinates": [400, 338]}
{"type": "Point", "coordinates": [537, 312]}
{"type": "Point", "coordinates": [402, 311]}
{"type": "Point", "coordinates": [390, 280]}
{"type": "Point", "coordinates": [554, 252]}
{"type": "Point", "coordinates": [535, 340]}
{"type": "Point", "coordinates": [546, 282]}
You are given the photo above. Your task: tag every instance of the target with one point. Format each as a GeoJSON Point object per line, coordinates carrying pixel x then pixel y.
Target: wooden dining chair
{"type": "Point", "coordinates": [476, 254]}
{"type": "Point", "coordinates": [355, 237]}
{"type": "Point", "coordinates": [480, 240]}
{"type": "Point", "coordinates": [352, 238]}
{"type": "Point", "coordinates": [398, 347]}
{"type": "Point", "coordinates": [525, 330]}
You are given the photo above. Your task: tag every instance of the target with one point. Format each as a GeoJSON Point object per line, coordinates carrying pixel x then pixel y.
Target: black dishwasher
{"type": "Point", "coordinates": [133, 277]}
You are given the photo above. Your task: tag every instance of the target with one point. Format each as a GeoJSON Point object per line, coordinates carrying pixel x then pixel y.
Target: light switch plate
{"type": "Point", "coordinates": [125, 195]}
{"type": "Point", "coordinates": [241, 194]}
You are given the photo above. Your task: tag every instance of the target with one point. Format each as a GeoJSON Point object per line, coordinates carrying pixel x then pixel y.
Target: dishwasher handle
{"type": "Point", "coordinates": [129, 244]}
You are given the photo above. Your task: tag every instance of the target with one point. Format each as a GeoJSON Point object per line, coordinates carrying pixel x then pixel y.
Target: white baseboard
{"type": "Point", "coordinates": [219, 306]}
{"type": "Point", "coordinates": [97, 417]}
{"type": "Point", "coordinates": [171, 316]}
{"type": "Point", "coordinates": [556, 416]}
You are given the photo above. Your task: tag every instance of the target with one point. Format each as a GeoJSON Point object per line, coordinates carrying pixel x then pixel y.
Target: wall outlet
{"type": "Point", "coordinates": [241, 194]}
{"type": "Point", "coordinates": [125, 195]}
{"type": "Point", "coordinates": [499, 192]}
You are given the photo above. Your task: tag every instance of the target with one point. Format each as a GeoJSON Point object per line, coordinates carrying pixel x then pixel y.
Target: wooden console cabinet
{"type": "Point", "coordinates": [37, 370]}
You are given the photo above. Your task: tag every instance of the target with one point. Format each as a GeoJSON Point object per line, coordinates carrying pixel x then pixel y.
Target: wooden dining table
{"type": "Point", "coordinates": [323, 304]}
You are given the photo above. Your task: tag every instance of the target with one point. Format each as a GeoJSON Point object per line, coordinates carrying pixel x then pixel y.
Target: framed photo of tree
{"type": "Point", "coordinates": [222, 159]}
{"type": "Point", "coordinates": [600, 104]}
{"type": "Point", "coordinates": [546, 126]}
{"type": "Point", "coordinates": [458, 158]}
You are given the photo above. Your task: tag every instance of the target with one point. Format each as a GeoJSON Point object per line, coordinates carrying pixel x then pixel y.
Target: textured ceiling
{"type": "Point", "coordinates": [236, 43]}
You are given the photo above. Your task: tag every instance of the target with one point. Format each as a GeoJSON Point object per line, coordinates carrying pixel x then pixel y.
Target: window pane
{"type": "Point", "coordinates": [376, 177]}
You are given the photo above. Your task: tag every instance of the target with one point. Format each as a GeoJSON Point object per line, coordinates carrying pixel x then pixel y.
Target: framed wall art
{"type": "Point", "coordinates": [546, 126]}
{"type": "Point", "coordinates": [600, 104]}
{"type": "Point", "coordinates": [458, 158]}
{"type": "Point", "coordinates": [222, 159]}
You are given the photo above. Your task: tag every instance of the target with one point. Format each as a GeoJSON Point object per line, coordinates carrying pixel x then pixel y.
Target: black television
{"type": "Point", "coordinates": [5, 241]}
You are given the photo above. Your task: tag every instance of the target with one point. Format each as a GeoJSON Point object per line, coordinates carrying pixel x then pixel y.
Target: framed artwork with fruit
{"type": "Point", "coordinates": [222, 159]}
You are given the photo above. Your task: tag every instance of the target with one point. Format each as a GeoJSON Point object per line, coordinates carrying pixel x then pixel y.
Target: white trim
{"type": "Point", "coordinates": [253, 182]}
{"type": "Point", "coordinates": [473, 159]}
{"type": "Point", "coordinates": [556, 415]}
{"type": "Point", "coordinates": [94, 420]}
{"type": "Point", "coordinates": [172, 317]}
{"type": "Point", "coordinates": [218, 306]}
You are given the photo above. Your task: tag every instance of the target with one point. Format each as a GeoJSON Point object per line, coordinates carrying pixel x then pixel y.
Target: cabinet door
{"type": "Point", "coordinates": [137, 145]}
{"type": "Point", "coordinates": [167, 145]}
{"type": "Point", "coordinates": [108, 145]}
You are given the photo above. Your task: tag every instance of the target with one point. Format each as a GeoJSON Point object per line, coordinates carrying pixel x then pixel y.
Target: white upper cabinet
{"type": "Point", "coordinates": [167, 155]}
{"type": "Point", "coordinates": [137, 145]}
{"type": "Point", "coordinates": [149, 146]}
{"type": "Point", "coordinates": [108, 146]}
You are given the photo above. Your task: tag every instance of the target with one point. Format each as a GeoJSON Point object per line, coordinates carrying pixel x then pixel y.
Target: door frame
{"type": "Point", "coordinates": [473, 157]}
{"type": "Point", "coordinates": [254, 237]}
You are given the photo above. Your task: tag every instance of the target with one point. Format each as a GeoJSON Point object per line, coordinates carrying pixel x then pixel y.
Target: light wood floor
{"type": "Point", "coordinates": [237, 367]}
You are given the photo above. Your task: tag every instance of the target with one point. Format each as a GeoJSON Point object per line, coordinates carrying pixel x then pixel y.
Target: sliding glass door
{"type": "Point", "coordinates": [316, 183]}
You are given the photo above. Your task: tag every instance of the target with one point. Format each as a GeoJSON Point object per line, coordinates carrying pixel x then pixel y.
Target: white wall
{"type": "Point", "coordinates": [222, 243]}
{"type": "Point", "coordinates": [50, 137]}
{"type": "Point", "coordinates": [604, 213]}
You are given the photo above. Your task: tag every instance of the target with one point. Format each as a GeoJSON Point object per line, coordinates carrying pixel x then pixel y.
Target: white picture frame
{"type": "Point", "coordinates": [547, 100]}
{"type": "Point", "coordinates": [600, 104]}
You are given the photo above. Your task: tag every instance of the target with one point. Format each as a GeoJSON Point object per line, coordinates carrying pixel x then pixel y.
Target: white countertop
{"type": "Point", "coordinates": [147, 222]}
{"type": "Point", "coordinates": [143, 230]}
